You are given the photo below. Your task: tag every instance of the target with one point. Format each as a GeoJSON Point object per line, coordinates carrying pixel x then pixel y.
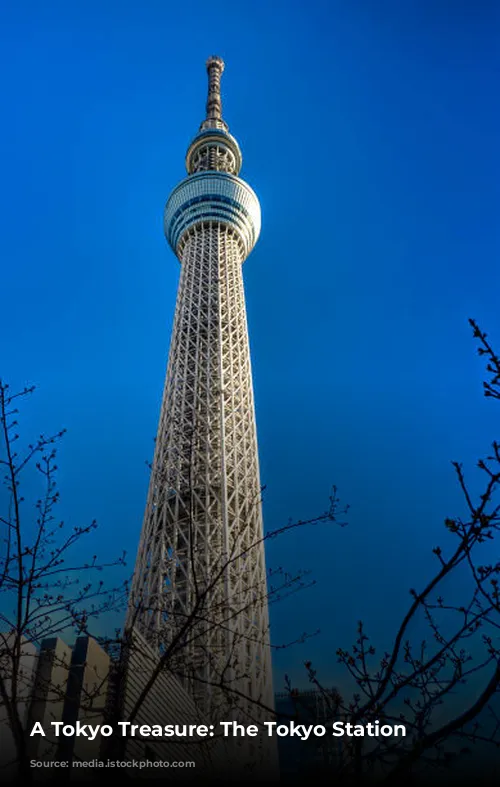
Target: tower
{"type": "Point", "coordinates": [199, 589]}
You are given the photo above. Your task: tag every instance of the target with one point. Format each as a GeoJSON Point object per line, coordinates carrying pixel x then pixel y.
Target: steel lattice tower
{"type": "Point", "coordinates": [200, 578]}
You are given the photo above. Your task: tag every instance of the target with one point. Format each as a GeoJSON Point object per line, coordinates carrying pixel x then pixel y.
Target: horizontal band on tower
{"type": "Point", "coordinates": [217, 137]}
{"type": "Point", "coordinates": [213, 196]}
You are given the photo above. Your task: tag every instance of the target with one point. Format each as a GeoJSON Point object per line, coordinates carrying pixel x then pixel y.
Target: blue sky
{"type": "Point", "coordinates": [370, 133]}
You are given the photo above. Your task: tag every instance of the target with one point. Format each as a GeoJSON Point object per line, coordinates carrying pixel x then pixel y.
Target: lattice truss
{"type": "Point", "coordinates": [217, 158]}
{"type": "Point", "coordinates": [200, 582]}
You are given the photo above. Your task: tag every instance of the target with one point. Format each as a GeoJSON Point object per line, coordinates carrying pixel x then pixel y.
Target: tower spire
{"type": "Point", "coordinates": [213, 119]}
{"type": "Point", "coordinates": [214, 148]}
{"type": "Point", "coordinates": [215, 67]}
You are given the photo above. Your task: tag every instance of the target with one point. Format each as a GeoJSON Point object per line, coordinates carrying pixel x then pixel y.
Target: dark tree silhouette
{"type": "Point", "coordinates": [443, 688]}
{"type": "Point", "coordinates": [45, 586]}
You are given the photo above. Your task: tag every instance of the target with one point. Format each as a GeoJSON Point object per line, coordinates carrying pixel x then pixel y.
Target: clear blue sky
{"type": "Point", "coordinates": [370, 133]}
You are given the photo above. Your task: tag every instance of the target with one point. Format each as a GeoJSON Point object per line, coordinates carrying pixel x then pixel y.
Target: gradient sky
{"type": "Point", "coordinates": [369, 131]}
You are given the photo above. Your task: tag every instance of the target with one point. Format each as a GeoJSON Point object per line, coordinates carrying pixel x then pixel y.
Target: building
{"type": "Point", "coordinates": [57, 683]}
{"type": "Point", "coordinates": [49, 695]}
{"type": "Point", "coordinates": [166, 703]}
{"type": "Point", "coordinates": [199, 589]}
{"type": "Point", "coordinates": [86, 698]}
{"type": "Point", "coordinates": [18, 665]}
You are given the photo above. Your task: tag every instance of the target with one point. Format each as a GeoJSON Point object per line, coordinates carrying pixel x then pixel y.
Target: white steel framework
{"type": "Point", "coordinates": [199, 586]}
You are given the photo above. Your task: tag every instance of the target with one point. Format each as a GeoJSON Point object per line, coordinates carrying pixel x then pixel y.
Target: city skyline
{"type": "Point", "coordinates": [380, 239]}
